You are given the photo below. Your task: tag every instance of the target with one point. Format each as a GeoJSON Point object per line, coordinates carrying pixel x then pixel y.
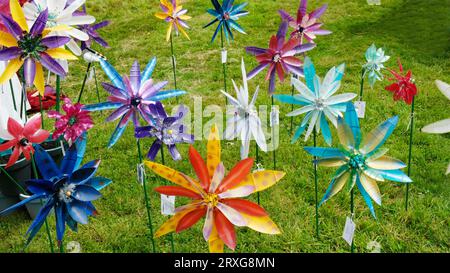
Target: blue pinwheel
{"type": "Point", "coordinates": [131, 96]}
{"type": "Point", "coordinates": [361, 162]}
{"type": "Point", "coordinates": [68, 189]}
{"type": "Point", "coordinates": [227, 15]}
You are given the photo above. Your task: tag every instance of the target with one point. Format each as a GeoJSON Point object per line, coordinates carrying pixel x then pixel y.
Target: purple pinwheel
{"type": "Point", "coordinates": [166, 130]}
{"type": "Point", "coordinates": [279, 57]}
{"type": "Point", "coordinates": [131, 96]}
{"type": "Point", "coordinates": [306, 25]}
{"type": "Point", "coordinates": [91, 31]}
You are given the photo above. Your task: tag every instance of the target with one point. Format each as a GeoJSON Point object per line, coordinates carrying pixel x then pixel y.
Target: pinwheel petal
{"type": "Point", "coordinates": [378, 136]}
{"type": "Point", "coordinates": [225, 229]}
{"type": "Point", "coordinates": [86, 193]}
{"type": "Point", "coordinates": [232, 215]}
{"type": "Point", "coordinates": [171, 175]}
{"type": "Point", "coordinates": [177, 191]}
{"type": "Point", "coordinates": [385, 163]}
{"type": "Point", "coordinates": [200, 167]}
{"type": "Point", "coordinates": [236, 175]}
{"type": "Point", "coordinates": [371, 187]}
{"type": "Point", "coordinates": [190, 219]}
{"type": "Point", "coordinates": [171, 224]}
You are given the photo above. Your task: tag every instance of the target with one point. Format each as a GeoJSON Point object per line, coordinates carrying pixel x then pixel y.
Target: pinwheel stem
{"type": "Point", "coordinates": [174, 69]}
{"type": "Point", "coordinates": [61, 247]}
{"type": "Point", "coordinates": [36, 176]}
{"type": "Point", "coordinates": [96, 84]}
{"type": "Point", "coordinates": [147, 204]}
{"type": "Point", "coordinates": [170, 235]}
{"type": "Point", "coordinates": [83, 85]}
{"type": "Point", "coordinates": [352, 210]}
{"type": "Point", "coordinates": [23, 104]}
{"type": "Point", "coordinates": [316, 185]}
{"type": "Point", "coordinates": [224, 64]}
{"type": "Point", "coordinates": [12, 95]}
{"type": "Point", "coordinates": [58, 93]}
{"type": "Point", "coordinates": [41, 110]}
{"type": "Point", "coordinates": [22, 190]}
{"type": "Point", "coordinates": [361, 92]}
{"type": "Point", "coordinates": [273, 141]}
{"type": "Point", "coordinates": [257, 163]}
{"type": "Point", "coordinates": [410, 152]}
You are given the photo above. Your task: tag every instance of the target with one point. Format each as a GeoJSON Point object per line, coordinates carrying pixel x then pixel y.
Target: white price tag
{"type": "Point", "coordinates": [224, 56]}
{"type": "Point", "coordinates": [167, 205]}
{"type": "Point", "coordinates": [374, 2]}
{"type": "Point", "coordinates": [140, 174]}
{"type": "Point", "coordinates": [349, 231]}
{"type": "Point", "coordinates": [274, 116]}
{"type": "Point", "coordinates": [360, 107]}
{"type": "Point", "coordinates": [259, 168]}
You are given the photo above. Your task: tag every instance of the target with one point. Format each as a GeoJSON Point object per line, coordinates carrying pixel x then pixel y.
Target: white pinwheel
{"type": "Point", "coordinates": [375, 63]}
{"type": "Point", "coordinates": [245, 122]}
{"type": "Point", "coordinates": [318, 101]}
{"type": "Point", "coordinates": [61, 13]}
{"type": "Point", "coordinates": [443, 126]}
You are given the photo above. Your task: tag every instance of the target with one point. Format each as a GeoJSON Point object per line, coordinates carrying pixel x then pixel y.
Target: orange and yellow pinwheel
{"type": "Point", "coordinates": [174, 14]}
{"type": "Point", "coordinates": [217, 197]}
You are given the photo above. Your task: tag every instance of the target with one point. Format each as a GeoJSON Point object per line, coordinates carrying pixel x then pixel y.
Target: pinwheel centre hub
{"type": "Point", "coordinates": [319, 104]}
{"type": "Point", "coordinates": [24, 142]}
{"type": "Point", "coordinates": [31, 45]}
{"type": "Point", "coordinates": [356, 161]}
{"type": "Point", "coordinates": [277, 57]}
{"type": "Point", "coordinates": [66, 192]}
{"type": "Point", "coordinates": [212, 199]}
{"type": "Point", "coordinates": [135, 102]}
{"type": "Point", "coordinates": [300, 29]}
{"type": "Point", "coordinates": [226, 16]}
{"type": "Point", "coordinates": [72, 121]}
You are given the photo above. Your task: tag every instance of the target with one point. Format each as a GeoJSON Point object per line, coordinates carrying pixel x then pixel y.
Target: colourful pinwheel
{"type": "Point", "coordinates": [227, 15]}
{"type": "Point", "coordinates": [361, 162]}
{"type": "Point", "coordinates": [443, 126]}
{"type": "Point", "coordinates": [245, 122]}
{"type": "Point", "coordinates": [130, 96]}
{"type": "Point", "coordinates": [73, 124]}
{"type": "Point", "coordinates": [174, 14]}
{"type": "Point", "coordinates": [217, 196]}
{"type": "Point", "coordinates": [403, 87]}
{"type": "Point", "coordinates": [32, 48]}
{"type": "Point", "coordinates": [306, 25]}
{"type": "Point", "coordinates": [375, 59]}
{"type": "Point", "coordinates": [166, 130]}
{"type": "Point", "coordinates": [67, 189]}
{"type": "Point", "coordinates": [45, 102]}
{"type": "Point", "coordinates": [279, 57]}
{"type": "Point", "coordinates": [91, 31]}
{"type": "Point", "coordinates": [22, 137]}
{"type": "Point", "coordinates": [317, 101]}
{"type": "Point", "coordinates": [64, 19]}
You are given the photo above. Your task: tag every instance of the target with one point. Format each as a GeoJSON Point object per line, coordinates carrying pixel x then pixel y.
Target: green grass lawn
{"type": "Point", "coordinates": [416, 31]}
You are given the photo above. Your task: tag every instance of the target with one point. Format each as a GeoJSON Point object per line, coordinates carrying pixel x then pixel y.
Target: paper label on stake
{"type": "Point", "coordinates": [259, 168]}
{"type": "Point", "coordinates": [90, 75]}
{"type": "Point", "coordinates": [349, 230]}
{"type": "Point", "coordinates": [360, 107]}
{"type": "Point", "coordinates": [224, 56]}
{"type": "Point", "coordinates": [167, 205]}
{"type": "Point", "coordinates": [274, 116]}
{"type": "Point", "coordinates": [140, 174]}
{"type": "Point", "coordinates": [374, 2]}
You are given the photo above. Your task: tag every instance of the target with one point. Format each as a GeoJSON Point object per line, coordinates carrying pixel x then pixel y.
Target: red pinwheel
{"type": "Point", "coordinates": [23, 137]}
{"type": "Point", "coordinates": [404, 87]}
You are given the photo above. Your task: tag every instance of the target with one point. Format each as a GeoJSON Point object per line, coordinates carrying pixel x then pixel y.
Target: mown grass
{"type": "Point", "coordinates": [416, 31]}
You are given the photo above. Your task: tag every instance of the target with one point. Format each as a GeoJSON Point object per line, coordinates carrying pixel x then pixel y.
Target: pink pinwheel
{"type": "Point", "coordinates": [306, 25]}
{"type": "Point", "coordinates": [23, 137]}
{"type": "Point", "coordinates": [74, 123]}
{"type": "Point", "coordinates": [279, 57]}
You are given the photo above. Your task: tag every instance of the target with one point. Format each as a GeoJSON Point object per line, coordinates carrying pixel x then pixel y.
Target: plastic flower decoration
{"type": "Point", "coordinates": [443, 126]}
{"type": "Point", "coordinates": [22, 137]}
{"type": "Point", "coordinates": [217, 196]}
{"type": "Point", "coordinates": [63, 18]}
{"type": "Point", "coordinates": [74, 123]}
{"type": "Point", "coordinates": [227, 15]}
{"type": "Point", "coordinates": [361, 162]}
{"type": "Point", "coordinates": [68, 189]}
{"type": "Point", "coordinates": [47, 101]}
{"type": "Point", "coordinates": [245, 122]}
{"type": "Point", "coordinates": [174, 14]}
{"type": "Point", "coordinates": [279, 57]}
{"type": "Point", "coordinates": [130, 96]}
{"type": "Point", "coordinates": [92, 31]}
{"type": "Point", "coordinates": [32, 48]}
{"type": "Point", "coordinates": [403, 87]}
{"type": "Point", "coordinates": [306, 25]}
{"type": "Point", "coordinates": [375, 60]}
{"type": "Point", "coordinates": [318, 101]}
{"type": "Point", "coordinates": [166, 130]}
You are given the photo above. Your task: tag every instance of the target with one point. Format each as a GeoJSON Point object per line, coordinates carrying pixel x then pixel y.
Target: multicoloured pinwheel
{"type": "Point", "coordinates": [68, 189]}
{"type": "Point", "coordinates": [279, 57]}
{"type": "Point", "coordinates": [175, 15]}
{"type": "Point", "coordinates": [318, 101]}
{"type": "Point", "coordinates": [32, 48]}
{"type": "Point", "coordinates": [361, 162]}
{"type": "Point", "coordinates": [245, 122]}
{"type": "Point", "coordinates": [91, 31]}
{"type": "Point", "coordinates": [217, 196]}
{"type": "Point", "coordinates": [443, 126]}
{"type": "Point", "coordinates": [375, 60]}
{"type": "Point", "coordinates": [130, 96]}
{"type": "Point", "coordinates": [306, 25]}
{"type": "Point", "coordinates": [166, 130]}
{"type": "Point", "coordinates": [227, 15]}
{"type": "Point", "coordinates": [403, 87]}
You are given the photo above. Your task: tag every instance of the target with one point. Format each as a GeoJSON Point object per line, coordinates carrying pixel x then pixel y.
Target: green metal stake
{"type": "Point", "coordinates": [410, 152]}
{"type": "Point", "coordinates": [13, 180]}
{"type": "Point", "coordinates": [61, 247]}
{"type": "Point", "coordinates": [170, 235]}
{"type": "Point", "coordinates": [224, 64]}
{"type": "Point", "coordinates": [173, 63]}
{"type": "Point", "coordinates": [363, 72]}
{"type": "Point", "coordinates": [83, 85]}
{"type": "Point", "coordinates": [41, 110]}
{"type": "Point", "coordinates": [12, 95]}
{"type": "Point", "coordinates": [257, 162]}
{"type": "Point", "coordinates": [58, 93]}
{"type": "Point", "coordinates": [316, 186]}
{"type": "Point", "coordinates": [147, 204]}
{"type": "Point", "coordinates": [352, 210]}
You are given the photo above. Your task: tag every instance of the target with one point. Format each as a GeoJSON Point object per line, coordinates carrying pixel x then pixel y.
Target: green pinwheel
{"type": "Point", "coordinates": [361, 162]}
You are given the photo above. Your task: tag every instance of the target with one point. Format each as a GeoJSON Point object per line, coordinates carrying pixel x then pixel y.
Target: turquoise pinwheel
{"type": "Point", "coordinates": [227, 15]}
{"type": "Point", "coordinates": [131, 96]}
{"type": "Point", "coordinates": [375, 63]}
{"type": "Point", "coordinates": [317, 100]}
{"type": "Point", "coordinates": [361, 162]}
